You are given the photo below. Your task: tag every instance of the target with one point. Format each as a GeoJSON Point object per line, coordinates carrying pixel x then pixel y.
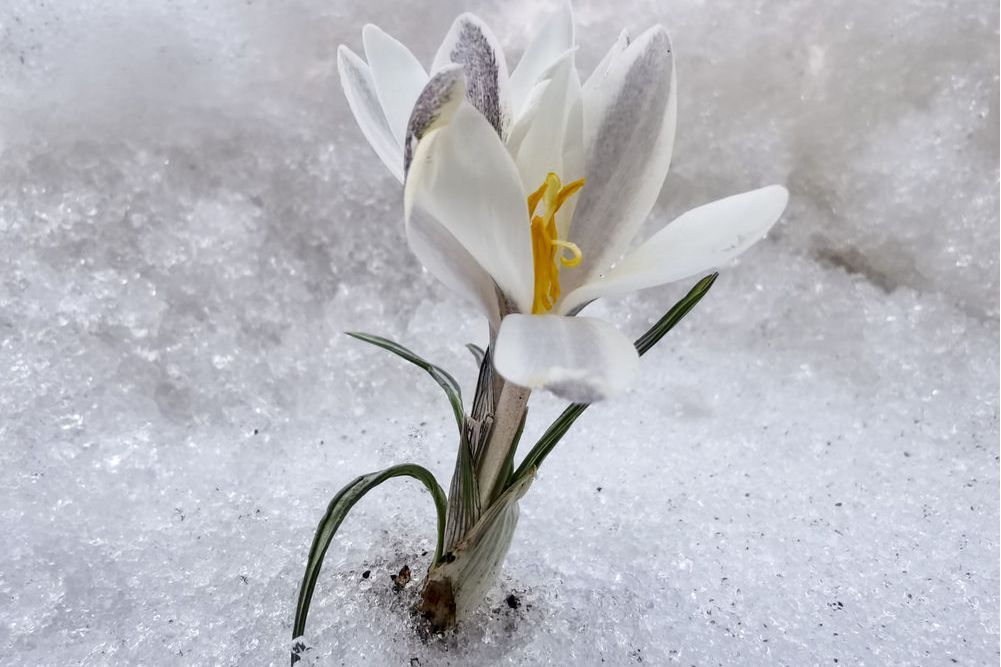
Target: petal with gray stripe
{"type": "Point", "coordinates": [435, 106]}
{"type": "Point", "coordinates": [359, 88]}
{"type": "Point", "coordinates": [471, 43]}
{"type": "Point", "coordinates": [628, 122]}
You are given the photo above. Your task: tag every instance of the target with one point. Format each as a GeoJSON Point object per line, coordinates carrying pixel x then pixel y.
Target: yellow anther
{"type": "Point", "coordinates": [547, 247]}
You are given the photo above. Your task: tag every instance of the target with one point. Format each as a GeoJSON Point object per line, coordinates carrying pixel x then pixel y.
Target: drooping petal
{"type": "Point", "coordinates": [398, 76]}
{"type": "Point", "coordinates": [363, 100]}
{"type": "Point", "coordinates": [700, 240]}
{"type": "Point", "coordinates": [463, 177]}
{"type": "Point", "coordinates": [628, 119]}
{"type": "Point", "coordinates": [471, 43]}
{"type": "Point", "coordinates": [539, 148]}
{"type": "Point", "coordinates": [581, 359]}
{"type": "Point", "coordinates": [435, 106]}
{"type": "Point", "coordinates": [554, 38]}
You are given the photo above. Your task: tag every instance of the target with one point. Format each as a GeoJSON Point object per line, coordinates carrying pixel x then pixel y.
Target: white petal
{"type": "Point", "coordinates": [701, 239]}
{"type": "Point", "coordinates": [629, 119]}
{"type": "Point", "coordinates": [360, 91]}
{"type": "Point", "coordinates": [572, 151]}
{"type": "Point", "coordinates": [471, 43]}
{"type": "Point", "coordinates": [436, 105]}
{"type": "Point", "coordinates": [554, 38]}
{"type": "Point", "coordinates": [539, 148]}
{"type": "Point", "coordinates": [519, 128]}
{"type": "Point", "coordinates": [451, 263]}
{"type": "Point", "coordinates": [463, 177]}
{"type": "Point", "coordinates": [601, 70]}
{"type": "Point", "coordinates": [581, 359]}
{"type": "Point", "coordinates": [399, 77]}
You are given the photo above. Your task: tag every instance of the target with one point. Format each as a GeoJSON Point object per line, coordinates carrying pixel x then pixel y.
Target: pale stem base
{"type": "Point", "coordinates": [458, 584]}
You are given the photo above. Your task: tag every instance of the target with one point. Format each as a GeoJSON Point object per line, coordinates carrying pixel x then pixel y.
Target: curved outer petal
{"type": "Point", "coordinates": [581, 359]}
{"type": "Point", "coordinates": [360, 91]}
{"type": "Point", "coordinates": [554, 38]}
{"type": "Point", "coordinates": [463, 178]}
{"type": "Point", "coordinates": [629, 119]}
{"type": "Point", "coordinates": [398, 76]}
{"type": "Point", "coordinates": [434, 245]}
{"type": "Point", "coordinates": [447, 259]}
{"type": "Point", "coordinates": [435, 107]}
{"type": "Point", "coordinates": [699, 240]}
{"type": "Point", "coordinates": [471, 43]}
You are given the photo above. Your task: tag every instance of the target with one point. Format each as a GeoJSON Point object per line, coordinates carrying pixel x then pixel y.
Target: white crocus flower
{"type": "Point", "coordinates": [474, 145]}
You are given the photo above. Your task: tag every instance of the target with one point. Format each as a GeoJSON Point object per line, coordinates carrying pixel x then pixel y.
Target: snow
{"type": "Point", "coordinates": [806, 473]}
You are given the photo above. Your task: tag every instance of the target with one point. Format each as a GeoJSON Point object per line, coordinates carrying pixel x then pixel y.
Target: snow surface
{"type": "Point", "coordinates": [807, 472]}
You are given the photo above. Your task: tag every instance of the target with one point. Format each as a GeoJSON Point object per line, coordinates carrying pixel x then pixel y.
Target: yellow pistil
{"type": "Point", "coordinates": [548, 250]}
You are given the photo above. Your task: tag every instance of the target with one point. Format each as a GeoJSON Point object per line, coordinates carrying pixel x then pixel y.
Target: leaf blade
{"type": "Point", "coordinates": [444, 379]}
{"type": "Point", "coordinates": [338, 509]}
{"type": "Point", "coordinates": [478, 353]}
{"type": "Point", "coordinates": [675, 314]}
{"type": "Point", "coordinates": [465, 496]}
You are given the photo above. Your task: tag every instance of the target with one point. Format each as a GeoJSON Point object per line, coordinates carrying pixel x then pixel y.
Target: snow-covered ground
{"type": "Point", "coordinates": [807, 472]}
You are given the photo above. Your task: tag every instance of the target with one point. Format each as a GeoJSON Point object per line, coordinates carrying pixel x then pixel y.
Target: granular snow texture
{"type": "Point", "coordinates": [805, 473]}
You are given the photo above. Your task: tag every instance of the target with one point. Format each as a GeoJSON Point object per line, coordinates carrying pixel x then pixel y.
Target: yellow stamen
{"type": "Point", "coordinates": [575, 254]}
{"type": "Point", "coordinates": [547, 247]}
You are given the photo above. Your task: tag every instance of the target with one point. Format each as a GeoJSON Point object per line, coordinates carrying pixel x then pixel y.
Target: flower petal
{"type": "Point", "coordinates": [360, 91]}
{"type": "Point", "coordinates": [398, 76]}
{"type": "Point", "coordinates": [538, 149]}
{"type": "Point", "coordinates": [699, 240]}
{"type": "Point", "coordinates": [435, 106]}
{"type": "Point", "coordinates": [601, 69]}
{"type": "Point", "coordinates": [450, 262]}
{"type": "Point", "coordinates": [463, 177]}
{"type": "Point", "coordinates": [470, 43]}
{"type": "Point", "coordinates": [572, 151]}
{"type": "Point", "coordinates": [554, 38]}
{"type": "Point", "coordinates": [581, 359]}
{"type": "Point", "coordinates": [629, 119]}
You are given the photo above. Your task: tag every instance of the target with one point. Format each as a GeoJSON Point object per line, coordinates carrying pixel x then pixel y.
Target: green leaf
{"type": "Point", "coordinates": [441, 376]}
{"type": "Point", "coordinates": [465, 495]}
{"type": "Point", "coordinates": [338, 508]}
{"type": "Point", "coordinates": [470, 496]}
{"type": "Point", "coordinates": [478, 353]}
{"type": "Point", "coordinates": [550, 439]}
{"type": "Point", "coordinates": [643, 344]}
{"type": "Point", "coordinates": [675, 315]}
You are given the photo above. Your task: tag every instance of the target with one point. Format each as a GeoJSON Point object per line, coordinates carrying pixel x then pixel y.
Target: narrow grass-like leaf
{"type": "Point", "coordinates": [338, 508]}
{"type": "Point", "coordinates": [477, 352]}
{"type": "Point", "coordinates": [469, 490]}
{"type": "Point", "coordinates": [470, 497]}
{"type": "Point", "coordinates": [675, 315]}
{"type": "Point", "coordinates": [643, 344]}
{"type": "Point", "coordinates": [549, 439]}
{"type": "Point", "coordinates": [440, 375]}
{"type": "Point", "coordinates": [464, 493]}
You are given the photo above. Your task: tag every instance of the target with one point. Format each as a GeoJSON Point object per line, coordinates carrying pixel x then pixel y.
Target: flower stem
{"type": "Point", "coordinates": [482, 509]}
{"type": "Point", "coordinates": [494, 460]}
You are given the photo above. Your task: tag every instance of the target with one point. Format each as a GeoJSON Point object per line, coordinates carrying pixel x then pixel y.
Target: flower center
{"type": "Point", "coordinates": [548, 250]}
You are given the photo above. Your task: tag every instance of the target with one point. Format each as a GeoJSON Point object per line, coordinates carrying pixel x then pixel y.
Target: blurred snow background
{"type": "Point", "coordinates": [807, 473]}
